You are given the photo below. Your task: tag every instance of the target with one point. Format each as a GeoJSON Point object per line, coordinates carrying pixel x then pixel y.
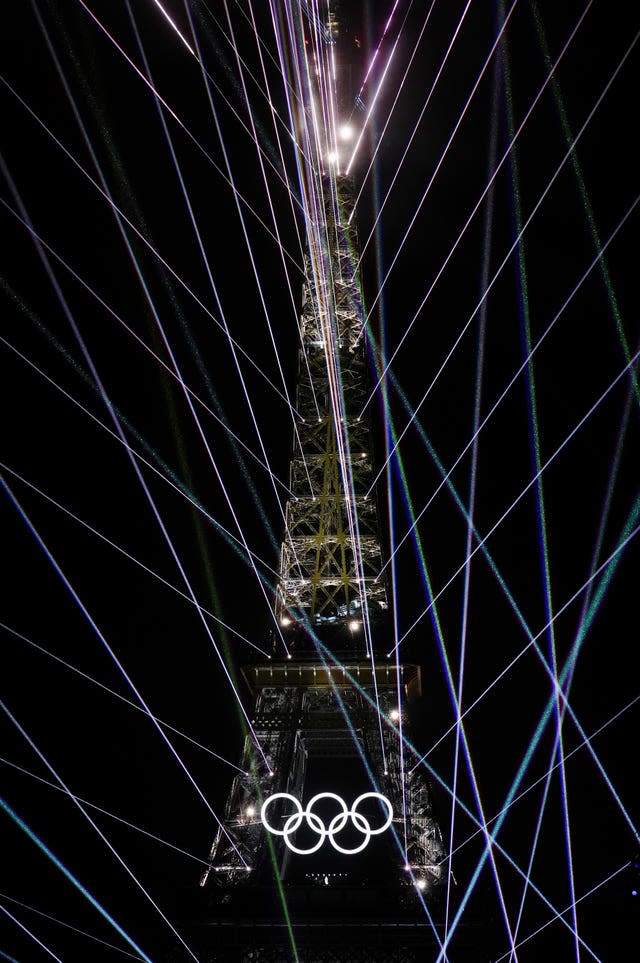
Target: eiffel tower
{"type": "Point", "coordinates": [330, 717]}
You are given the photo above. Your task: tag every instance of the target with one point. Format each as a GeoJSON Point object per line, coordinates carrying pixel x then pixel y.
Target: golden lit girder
{"type": "Point", "coordinates": [331, 553]}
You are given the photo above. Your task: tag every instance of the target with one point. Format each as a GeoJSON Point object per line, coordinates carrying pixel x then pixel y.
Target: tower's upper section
{"type": "Point", "coordinates": [321, 52]}
{"type": "Point", "coordinates": [330, 556]}
{"type": "Point", "coordinates": [346, 55]}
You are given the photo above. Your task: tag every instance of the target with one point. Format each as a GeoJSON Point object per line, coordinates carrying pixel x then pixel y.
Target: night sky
{"type": "Point", "coordinates": [105, 468]}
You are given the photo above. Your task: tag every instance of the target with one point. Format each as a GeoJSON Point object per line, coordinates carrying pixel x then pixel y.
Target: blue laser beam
{"type": "Point", "coordinates": [72, 879]}
{"type": "Point", "coordinates": [91, 821]}
{"type": "Point", "coordinates": [32, 936]}
{"type": "Point", "coordinates": [112, 654]}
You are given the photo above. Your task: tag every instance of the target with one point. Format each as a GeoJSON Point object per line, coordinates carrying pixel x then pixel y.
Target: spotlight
{"type": "Point", "coordinates": [250, 811]}
{"type": "Point", "coordinates": [332, 157]}
{"type": "Point", "coordinates": [394, 715]}
{"type": "Point", "coordinates": [354, 625]}
{"type": "Point", "coordinates": [346, 132]}
{"type": "Point", "coordinates": [421, 883]}
{"type": "Point", "coordinates": [285, 620]}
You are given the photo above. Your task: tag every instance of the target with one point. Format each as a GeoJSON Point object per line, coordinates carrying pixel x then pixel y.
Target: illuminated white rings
{"type": "Point", "coordinates": [336, 825]}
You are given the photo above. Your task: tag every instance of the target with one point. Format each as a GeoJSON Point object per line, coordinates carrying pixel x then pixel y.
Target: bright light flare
{"type": "Point", "coordinates": [175, 27]}
{"type": "Point", "coordinates": [346, 132]}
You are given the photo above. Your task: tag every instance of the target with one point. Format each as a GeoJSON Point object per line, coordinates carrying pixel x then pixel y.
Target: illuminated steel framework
{"type": "Point", "coordinates": [323, 575]}
{"type": "Point", "coordinates": [335, 703]}
{"type": "Point", "coordinates": [309, 711]}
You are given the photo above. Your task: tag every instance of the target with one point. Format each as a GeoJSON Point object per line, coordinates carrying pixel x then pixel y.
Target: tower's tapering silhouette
{"type": "Point", "coordinates": [331, 712]}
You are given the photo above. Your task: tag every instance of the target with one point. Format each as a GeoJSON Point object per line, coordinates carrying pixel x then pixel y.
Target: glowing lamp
{"type": "Point", "coordinates": [285, 620]}
{"type": "Point", "coordinates": [250, 811]}
{"type": "Point", "coordinates": [354, 625]}
{"type": "Point", "coordinates": [346, 132]}
{"type": "Point", "coordinates": [394, 715]}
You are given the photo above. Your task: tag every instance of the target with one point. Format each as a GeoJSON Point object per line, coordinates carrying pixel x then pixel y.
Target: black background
{"type": "Point", "coordinates": [103, 749]}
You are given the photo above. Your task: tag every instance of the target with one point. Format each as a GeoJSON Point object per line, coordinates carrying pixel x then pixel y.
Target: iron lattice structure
{"type": "Point", "coordinates": [309, 711]}
{"type": "Point", "coordinates": [335, 702]}
{"type": "Point", "coordinates": [324, 576]}
{"type": "Point", "coordinates": [317, 707]}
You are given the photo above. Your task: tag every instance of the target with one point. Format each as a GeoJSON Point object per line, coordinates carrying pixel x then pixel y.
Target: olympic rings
{"type": "Point", "coordinates": [336, 825]}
